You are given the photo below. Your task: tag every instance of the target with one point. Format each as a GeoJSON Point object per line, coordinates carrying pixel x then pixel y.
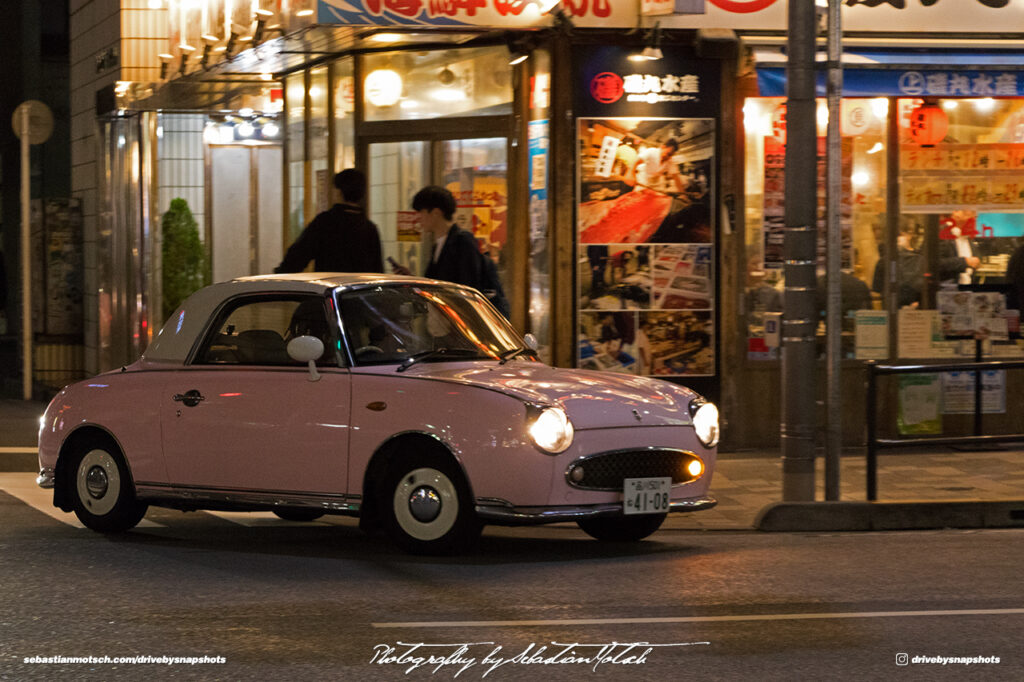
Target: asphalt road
{"type": "Point", "coordinates": [322, 601]}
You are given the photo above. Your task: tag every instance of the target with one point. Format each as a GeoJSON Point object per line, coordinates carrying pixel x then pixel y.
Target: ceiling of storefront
{"type": "Point", "coordinates": [215, 87]}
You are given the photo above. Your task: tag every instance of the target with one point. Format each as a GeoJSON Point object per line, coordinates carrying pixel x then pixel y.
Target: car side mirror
{"type": "Point", "coordinates": [531, 341]}
{"type": "Point", "coordinates": [307, 349]}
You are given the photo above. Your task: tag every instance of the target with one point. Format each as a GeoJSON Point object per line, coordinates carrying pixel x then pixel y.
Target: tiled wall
{"type": "Point", "coordinates": [180, 159]}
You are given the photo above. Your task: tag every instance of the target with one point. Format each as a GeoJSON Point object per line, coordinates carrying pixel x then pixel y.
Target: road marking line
{"type": "Point", "coordinates": [23, 486]}
{"type": "Point", "coordinates": [698, 619]}
{"type": "Point", "coordinates": [18, 451]}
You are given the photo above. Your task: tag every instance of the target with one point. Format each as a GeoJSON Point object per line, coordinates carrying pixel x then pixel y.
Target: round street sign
{"type": "Point", "coordinates": [40, 121]}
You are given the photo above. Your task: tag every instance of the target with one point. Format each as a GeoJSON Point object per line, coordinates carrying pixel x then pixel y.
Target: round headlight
{"type": "Point", "coordinates": [705, 423]}
{"type": "Point", "coordinates": [551, 430]}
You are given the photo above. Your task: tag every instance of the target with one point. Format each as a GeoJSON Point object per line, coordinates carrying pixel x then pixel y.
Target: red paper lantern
{"type": "Point", "coordinates": [928, 124]}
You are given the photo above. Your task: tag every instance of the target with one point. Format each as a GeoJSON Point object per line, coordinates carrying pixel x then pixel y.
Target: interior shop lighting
{"type": "Point", "coordinates": [383, 87]}
{"type": "Point", "coordinates": [880, 107]}
{"type": "Point", "coordinates": [877, 147]}
{"type": "Point", "coordinates": [949, 104]}
{"type": "Point", "coordinates": [386, 37]}
{"type": "Point", "coordinates": [245, 111]}
{"type": "Point", "coordinates": [155, 4]}
{"type": "Point", "coordinates": [266, 76]}
{"type": "Point", "coordinates": [246, 129]}
{"type": "Point", "coordinates": [165, 62]}
{"type": "Point", "coordinates": [652, 50]}
{"type": "Point", "coordinates": [270, 129]}
{"type": "Point", "coordinates": [985, 104]}
{"type": "Point", "coordinates": [518, 57]}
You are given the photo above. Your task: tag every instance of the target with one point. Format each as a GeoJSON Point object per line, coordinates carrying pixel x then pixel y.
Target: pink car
{"type": "Point", "coordinates": [407, 402]}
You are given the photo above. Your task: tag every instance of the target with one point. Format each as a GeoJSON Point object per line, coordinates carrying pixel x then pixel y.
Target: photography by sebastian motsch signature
{"type": "Point", "coordinates": [461, 656]}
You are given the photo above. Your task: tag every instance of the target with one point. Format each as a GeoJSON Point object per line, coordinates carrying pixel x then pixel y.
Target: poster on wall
{"type": "Point", "coordinates": [644, 220]}
{"type": "Point", "coordinates": [645, 213]}
{"type": "Point", "coordinates": [775, 201]}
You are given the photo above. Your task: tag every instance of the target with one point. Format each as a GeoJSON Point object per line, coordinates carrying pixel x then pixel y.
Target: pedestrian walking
{"type": "Point", "coordinates": [342, 238]}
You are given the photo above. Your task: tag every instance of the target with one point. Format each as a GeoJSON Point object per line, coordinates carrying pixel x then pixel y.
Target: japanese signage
{"type": "Point", "coordinates": [861, 82]}
{"type": "Point", "coordinates": [950, 16]}
{"type": "Point", "coordinates": [950, 177]}
{"type": "Point", "coordinates": [610, 84]}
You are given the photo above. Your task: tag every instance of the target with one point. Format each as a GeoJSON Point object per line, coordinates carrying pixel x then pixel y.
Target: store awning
{"type": "Point", "coordinates": [874, 72]}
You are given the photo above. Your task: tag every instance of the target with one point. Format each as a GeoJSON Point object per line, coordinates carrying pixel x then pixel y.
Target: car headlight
{"type": "Point", "coordinates": [551, 430]}
{"type": "Point", "coordinates": [705, 422]}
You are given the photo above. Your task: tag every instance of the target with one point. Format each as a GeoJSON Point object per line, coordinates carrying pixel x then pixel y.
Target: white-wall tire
{"type": "Point", "coordinates": [426, 505]}
{"type": "Point", "coordinates": [100, 487]}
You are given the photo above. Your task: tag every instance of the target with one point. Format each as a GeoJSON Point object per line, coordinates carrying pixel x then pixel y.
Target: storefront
{"type": "Point", "coordinates": [633, 207]}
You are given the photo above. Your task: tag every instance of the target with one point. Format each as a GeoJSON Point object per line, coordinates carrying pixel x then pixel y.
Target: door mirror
{"type": "Point", "coordinates": [307, 349]}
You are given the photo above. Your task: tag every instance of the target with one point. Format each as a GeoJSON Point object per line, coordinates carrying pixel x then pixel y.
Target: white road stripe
{"type": "Point", "coordinates": [698, 619]}
{"type": "Point", "coordinates": [23, 486]}
{"type": "Point", "coordinates": [18, 451]}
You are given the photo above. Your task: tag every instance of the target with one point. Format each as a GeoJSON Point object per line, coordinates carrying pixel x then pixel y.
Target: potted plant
{"type": "Point", "coordinates": [184, 257]}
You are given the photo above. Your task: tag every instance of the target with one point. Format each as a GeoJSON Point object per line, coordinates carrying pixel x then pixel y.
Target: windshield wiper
{"type": "Point", "coordinates": [514, 353]}
{"type": "Point", "coordinates": [436, 352]}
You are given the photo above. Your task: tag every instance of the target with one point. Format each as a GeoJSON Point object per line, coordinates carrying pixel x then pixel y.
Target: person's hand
{"type": "Point", "coordinates": [972, 261]}
{"type": "Point", "coordinates": [397, 268]}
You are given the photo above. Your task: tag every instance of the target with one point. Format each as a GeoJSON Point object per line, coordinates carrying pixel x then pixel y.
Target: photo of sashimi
{"type": "Point", "coordinates": [629, 219]}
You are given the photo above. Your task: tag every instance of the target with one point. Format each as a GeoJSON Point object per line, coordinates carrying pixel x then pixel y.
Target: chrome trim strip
{"type": "Point", "coordinates": [195, 497]}
{"type": "Point", "coordinates": [649, 448]}
{"type": "Point", "coordinates": [502, 513]}
{"type": "Point", "coordinates": [46, 478]}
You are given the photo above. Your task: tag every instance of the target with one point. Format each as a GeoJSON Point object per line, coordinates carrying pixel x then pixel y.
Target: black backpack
{"type": "Point", "coordinates": [490, 285]}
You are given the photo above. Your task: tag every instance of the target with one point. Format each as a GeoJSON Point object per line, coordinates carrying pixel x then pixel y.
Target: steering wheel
{"type": "Point", "coordinates": [363, 350]}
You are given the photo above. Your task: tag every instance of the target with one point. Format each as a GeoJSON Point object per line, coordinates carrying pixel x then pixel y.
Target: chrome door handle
{"type": "Point", "coordinates": [190, 398]}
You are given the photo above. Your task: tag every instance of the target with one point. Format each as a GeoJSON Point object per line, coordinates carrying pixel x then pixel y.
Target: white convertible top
{"type": "Point", "coordinates": [179, 332]}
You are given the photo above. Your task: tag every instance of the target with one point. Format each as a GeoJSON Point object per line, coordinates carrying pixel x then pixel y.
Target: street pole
{"type": "Point", "coordinates": [800, 313]}
{"type": "Point", "coordinates": [26, 280]}
{"type": "Point", "coordinates": [833, 254]}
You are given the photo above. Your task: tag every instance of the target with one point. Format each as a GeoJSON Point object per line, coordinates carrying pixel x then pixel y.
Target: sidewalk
{"type": "Point", "coordinates": [933, 489]}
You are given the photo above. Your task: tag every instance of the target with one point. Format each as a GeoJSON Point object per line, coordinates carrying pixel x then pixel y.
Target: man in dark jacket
{"type": "Point", "coordinates": [456, 255]}
{"type": "Point", "coordinates": [342, 238]}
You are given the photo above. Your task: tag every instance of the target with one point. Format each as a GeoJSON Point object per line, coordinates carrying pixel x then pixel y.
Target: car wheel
{"type": "Point", "coordinates": [426, 506]}
{"type": "Point", "coordinates": [622, 528]}
{"type": "Point", "coordinates": [298, 514]}
{"type": "Point", "coordinates": [100, 488]}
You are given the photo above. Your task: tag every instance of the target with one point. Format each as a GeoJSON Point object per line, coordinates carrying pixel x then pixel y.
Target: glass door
{"type": "Point", "coordinates": [476, 172]}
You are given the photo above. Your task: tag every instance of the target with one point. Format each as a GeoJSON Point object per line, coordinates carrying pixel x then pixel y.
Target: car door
{"type": "Point", "coordinates": [243, 416]}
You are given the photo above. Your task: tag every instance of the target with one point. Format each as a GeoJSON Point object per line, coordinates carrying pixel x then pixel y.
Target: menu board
{"type": "Point", "coordinates": [949, 177]}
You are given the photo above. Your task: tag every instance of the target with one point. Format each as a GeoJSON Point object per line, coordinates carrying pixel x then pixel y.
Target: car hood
{"type": "Point", "coordinates": [591, 399]}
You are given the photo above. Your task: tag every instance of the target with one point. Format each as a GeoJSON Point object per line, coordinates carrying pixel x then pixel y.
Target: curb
{"type": "Point", "coordinates": [904, 515]}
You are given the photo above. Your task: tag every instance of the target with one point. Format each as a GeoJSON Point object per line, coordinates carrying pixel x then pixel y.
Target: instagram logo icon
{"type": "Point", "coordinates": [902, 659]}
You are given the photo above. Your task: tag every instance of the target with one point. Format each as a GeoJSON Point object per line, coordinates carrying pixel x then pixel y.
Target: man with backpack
{"type": "Point", "coordinates": [456, 256]}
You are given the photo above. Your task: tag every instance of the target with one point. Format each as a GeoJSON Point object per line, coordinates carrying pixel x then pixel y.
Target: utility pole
{"type": "Point", "coordinates": [833, 254]}
{"type": "Point", "coordinates": [800, 312]}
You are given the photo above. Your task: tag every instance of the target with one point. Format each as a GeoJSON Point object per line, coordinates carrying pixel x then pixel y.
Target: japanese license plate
{"type": "Point", "coordinates": [646, 495]}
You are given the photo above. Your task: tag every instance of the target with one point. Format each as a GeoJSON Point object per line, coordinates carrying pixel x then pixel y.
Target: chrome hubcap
{"type": "Point", "coordinates": [424, 504]}
{"type": "Point", "coordinates": [96, 482]}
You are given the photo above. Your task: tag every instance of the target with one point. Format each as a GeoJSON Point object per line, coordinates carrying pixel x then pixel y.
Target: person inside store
{"type": "Point", "coordinates": [654, 168]}
{"type": "Point", "coordinates": [957, 261]}
{"type": "Point", "coordinates": [1015, 279]}
{"type": "Point", "coordinates": [342, 238]}
{"type": "Point", "coordinates": [909, 270]}
{"type": "Point", "coordinates": [456, 256]}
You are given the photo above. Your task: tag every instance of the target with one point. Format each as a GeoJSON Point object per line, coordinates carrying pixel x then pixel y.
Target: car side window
{"type": "Point", "coordinates": [256, 331]}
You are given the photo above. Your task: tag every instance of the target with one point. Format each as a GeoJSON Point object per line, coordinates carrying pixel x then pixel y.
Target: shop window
{"type": "Point", "coordinates": [961, 198]}
{"type": "Point", "coordinates": [432, 84]}
{"type": "Point", "coordinates": [318, 140]}
{"type": "Point", "coordinates": [862, 213]}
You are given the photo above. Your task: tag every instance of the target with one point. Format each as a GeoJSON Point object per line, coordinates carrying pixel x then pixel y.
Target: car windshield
{"type": "Point", "coordinates": [386, 325]}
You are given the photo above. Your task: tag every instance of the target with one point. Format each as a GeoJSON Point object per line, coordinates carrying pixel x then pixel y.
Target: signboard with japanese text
{"type": "Point", "coordinates": [941, 16]}
{"type": "Point", "coordinates": [608, 83]}
{"type": "Point", "coordinates": [924, 81]}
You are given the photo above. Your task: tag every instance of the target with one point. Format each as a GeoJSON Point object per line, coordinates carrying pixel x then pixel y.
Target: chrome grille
{"type": "Point", "coordinates": [606, 471]}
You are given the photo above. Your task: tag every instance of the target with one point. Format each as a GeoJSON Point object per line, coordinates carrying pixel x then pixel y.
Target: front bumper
{"type": "Point", "coordinates": [501, 513]}
{"type": "Point", "coordinates": [45, 479]}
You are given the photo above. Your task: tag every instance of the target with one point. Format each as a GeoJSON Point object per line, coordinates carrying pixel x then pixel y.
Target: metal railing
{"type": "Point", "coordinates": [874, 442]}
